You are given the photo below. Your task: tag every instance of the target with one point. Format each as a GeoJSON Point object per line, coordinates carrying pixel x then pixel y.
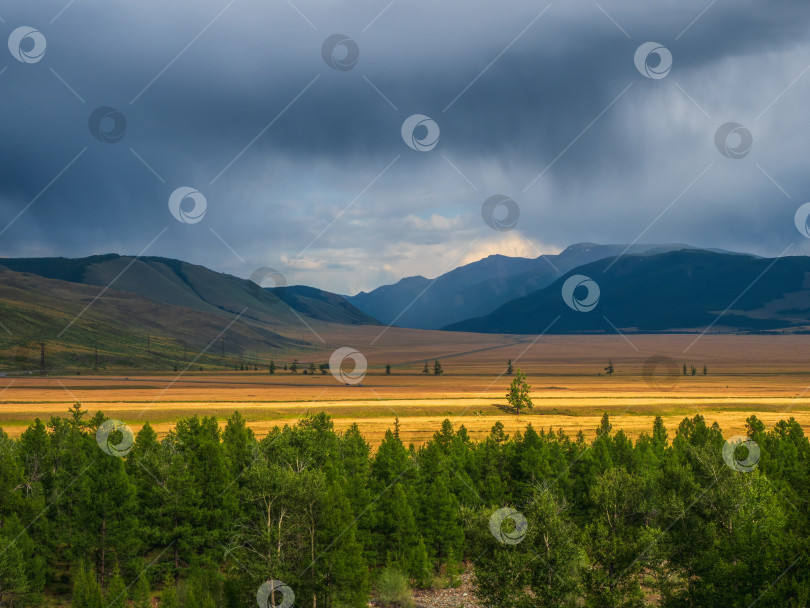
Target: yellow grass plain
{"type": "Point", "coordinates": [764, 375]}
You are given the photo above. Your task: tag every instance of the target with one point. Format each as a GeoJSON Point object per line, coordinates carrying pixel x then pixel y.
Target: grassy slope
{"type": "Point", "coordinates": [182, 284]}
{"type": "Point", "coordinates": [322, 305]}
{"type": "Point", "coordinates": [34, 309]}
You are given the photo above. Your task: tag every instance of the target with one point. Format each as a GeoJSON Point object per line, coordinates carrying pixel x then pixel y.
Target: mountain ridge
{"type": "Point", "coordinates": [650, 288]}
{"type": "Point", "coordinates": [677, 291]}
{"type": "Point", "coordinates": [179, 283]}
{"type": "Point", "coordinates": [480, 287]}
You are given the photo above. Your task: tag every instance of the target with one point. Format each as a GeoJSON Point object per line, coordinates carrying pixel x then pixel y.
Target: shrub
{"type": "Point", "coordinates": [394, 589]}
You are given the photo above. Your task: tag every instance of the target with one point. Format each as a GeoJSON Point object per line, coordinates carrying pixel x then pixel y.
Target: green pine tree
{"type": "Point", "coordinates": [116, 596]}
{"type": "Point", "coordinates": [344, 565]}
{"type": "Point", "coordinates": [86, 590]}
{"type": "Point", "coordinates": [396, 528]}
{"type": "Point", "coordinates": [11, 476]}
{"type": "Point", "coordinates": [142, 594]}
{"type": "Point", "coordinates": [542, 569]}
{"type": "Point", "coordinates": [147, 467]}
{"type": "Point", "coordinates": [519, 395]}
{"type": "Point", "coordinates": [81, 593]}
{"type": "Point", "coordinates": [390, 464]}
{"type": "Point", "coordinates": [238, 443]}
{"type": "Point", "coordinates": [203, 588]}
{"type": "Point", "coordinates": [440, 520]}
{"type": "Point", "coordinates": [605, 427]}
{"type": "Point", "coordinates": [202, 500]}
{"type": "Point", "coordinates": [356, 473]}
{"type": "Point", "coordinates": [14, 583]}
{"type": "Point", "coordinates": [420, 567]}
{"type": "Point", "coordinates": [437, 368]}
{"type": "Point", "coordinates": [168, 597]}
{"type": "Point", "coordinates": [108, 511]}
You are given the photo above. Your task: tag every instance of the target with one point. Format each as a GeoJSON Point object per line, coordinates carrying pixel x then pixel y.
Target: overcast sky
{"type": "Point", "coordinates": [303, 167]}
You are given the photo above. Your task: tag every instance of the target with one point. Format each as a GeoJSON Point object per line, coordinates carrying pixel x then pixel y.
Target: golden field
{"type": "Point", "coordinates": [764, 375]}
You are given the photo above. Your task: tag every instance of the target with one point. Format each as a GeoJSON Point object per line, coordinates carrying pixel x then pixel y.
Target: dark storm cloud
{"type": "Point", "coordinates": [293, 189]}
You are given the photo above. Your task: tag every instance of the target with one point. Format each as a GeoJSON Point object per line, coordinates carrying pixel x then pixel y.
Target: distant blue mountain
{"type": "Point", "coordinates": [687, 290]}
{"type": "Point", "coordinates": [480, 287]}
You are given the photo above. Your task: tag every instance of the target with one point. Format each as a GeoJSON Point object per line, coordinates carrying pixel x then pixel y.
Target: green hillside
{"type": "Point", "coordinates": [125, 330]}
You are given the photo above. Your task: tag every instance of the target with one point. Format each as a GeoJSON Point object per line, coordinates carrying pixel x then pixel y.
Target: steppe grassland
{"type": "Point", "coordinates": [768, 376]}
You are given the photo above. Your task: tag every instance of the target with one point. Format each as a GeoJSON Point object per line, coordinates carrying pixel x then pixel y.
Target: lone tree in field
{"type": "Point", "coordinates": [509, 369]}
{"type": "Point", "coordinates": [312, 368]}
{"type": "Point", "coordinates": [324, 367]}
{"type": "Point", "coordinates": [437, 368]}
{"type": "Point", "coordinates": [705, 369]}
{"type": "Point", "coordinates": [272, 367]}
{"type": "Point", "coordinates": [426, 371]}
{"type": "Point", "coordinates": [609, 369]}
{"type": "Point", "coordinates": [294, 366]}
{"type": "Point", "coordinates": [387, 369]}
{"type": "Point", "coordinates": [684, 369]}
{"type": "Point", "coordinates": [518, 395]}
